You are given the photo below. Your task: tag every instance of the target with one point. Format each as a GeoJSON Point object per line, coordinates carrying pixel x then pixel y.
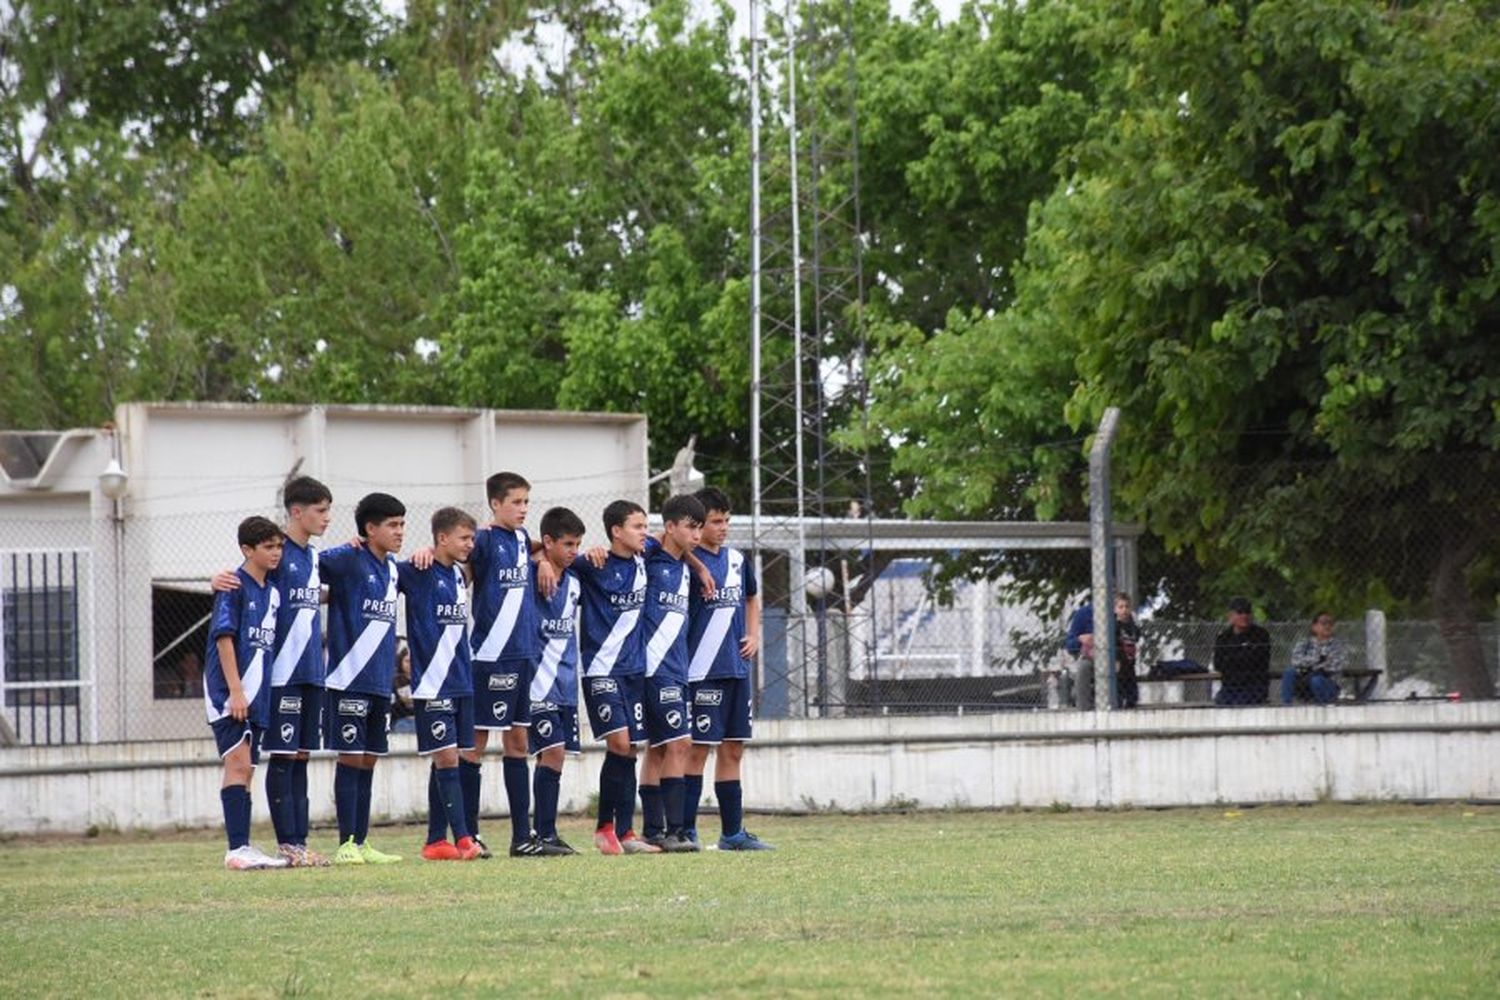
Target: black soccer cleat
{"type": "Point", "coordinates": [554, 847]}
{"type": "Point", "coordinates": [531, 847]}
{"type": "Point", "coordinates": [484, 849]}
{"type": "Point", "coordinates": [679, 843]}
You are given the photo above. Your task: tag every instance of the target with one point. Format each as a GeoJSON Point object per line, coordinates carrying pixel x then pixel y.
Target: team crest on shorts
{"type": "Point", "coordinates": [669, 694]}
{"type": "Point", "coordinates": [349, 732]}
{"type": "Point", "coordinates": [504, 682]}
{"type": "Point", "coordinates": [703, 723]}
{"type": "Point", "coordinates": [289, 705]}
{"type": "Point", "coordinates": [544, 728]}
{"type": "Point", "coordinates": [439, 729]}
{"type": "Point", "coordinates": [287, 732]}
{"type": "Point", "coordinates": [354, 706]}
{"type": "Point", "coordinates": [603, 685]}
{"type": "Point", "coordinates": [440, 705]}
{"type": "Point", "coordinates": [674, 718]}
{"type": "Point", "coordinates": [500, 709]}
{"type": "Point", "coordinates": [708, 696]}
{"type": "Point", "coordinates": [605, 712]}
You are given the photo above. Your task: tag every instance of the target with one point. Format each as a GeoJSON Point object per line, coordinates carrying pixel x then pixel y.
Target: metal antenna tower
{"type": "Point", "coordinates": [808, 364]}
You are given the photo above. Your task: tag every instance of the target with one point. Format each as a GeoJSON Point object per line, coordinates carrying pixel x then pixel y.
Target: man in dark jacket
{"type": "Point", "coordinates": [1242, 656]}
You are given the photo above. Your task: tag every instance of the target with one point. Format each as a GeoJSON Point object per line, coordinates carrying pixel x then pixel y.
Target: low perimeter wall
{"type": "Point", "coordinates": [1125, 759]}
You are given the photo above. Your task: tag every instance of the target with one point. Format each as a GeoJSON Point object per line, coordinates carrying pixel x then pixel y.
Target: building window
{"type": "Point", "coordinates": [179, 636]}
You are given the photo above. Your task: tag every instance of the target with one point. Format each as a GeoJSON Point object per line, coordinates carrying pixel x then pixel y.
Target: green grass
{"type": "Point", "coordinates": [1328, 900]}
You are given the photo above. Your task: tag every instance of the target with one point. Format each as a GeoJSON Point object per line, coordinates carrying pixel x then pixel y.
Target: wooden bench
{"type": "Point", "coordinates": [1362, 681]}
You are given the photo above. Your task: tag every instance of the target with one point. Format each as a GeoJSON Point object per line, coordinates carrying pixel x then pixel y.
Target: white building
{"type": "Point", "coordinates": [103, 602]}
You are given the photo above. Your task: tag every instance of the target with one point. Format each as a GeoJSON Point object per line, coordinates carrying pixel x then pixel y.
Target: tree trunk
{"type": "Point", "coordinates": [1454, 610]}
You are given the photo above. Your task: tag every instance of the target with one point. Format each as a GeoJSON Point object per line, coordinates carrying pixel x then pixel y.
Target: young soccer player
{"type": "Point", "coordinates": [554, 689]}
{"type": "Point", "coordinates": [665, 637]}
{"type": "Point", "coordinates": [442, 683]}
{"type": "Point", "coordinates": [723, 633]}
{"type": "Point", "coordinates": [235, 689]}
{"type": "Point", "coordinates": [505, 641]}
{"type": "Point", "coordinates": [613, 593]}
{"type": "Point", "coordinates": [362, 582]}
{"type": "Point", "coordinates": [296, 726]}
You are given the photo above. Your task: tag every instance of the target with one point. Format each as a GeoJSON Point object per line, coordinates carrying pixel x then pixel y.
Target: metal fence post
{"type": "Point", "coordinates": [1101, 548]}
{"type": "Point", "coordinates": [1375, 651]}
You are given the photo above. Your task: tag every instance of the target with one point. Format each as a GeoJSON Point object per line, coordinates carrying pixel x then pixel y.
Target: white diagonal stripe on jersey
{"type": "Point", "coordinates": [733, 575]}
{"type": "Point", "coordinates": [505, 619]}
{"type": "Point", "coordinates": [436, 672]}
{"type": "Point", "coordinates": [710, 642]}
{"type": "Point", "coordinates": [661, 642]}
{"type": "Point", "coordinates": [546, 667]}
{"type": "Point", "coordinates": [297, 638]}
{"type": "Point", "coordinates": [358, 657]}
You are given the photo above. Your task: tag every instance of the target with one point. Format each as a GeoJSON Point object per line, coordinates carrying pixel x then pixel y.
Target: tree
{"type": "Point", "coordinates": [1277, 254]}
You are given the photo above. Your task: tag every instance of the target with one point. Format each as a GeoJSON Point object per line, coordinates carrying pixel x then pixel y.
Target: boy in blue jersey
{"type": "Point", "coordinates": [614, 668]}
{"type": "Point", "coordinates": [362, 582]}
{"type": "Point", "coordinates": [723, 637]}
{"type": "Point", "coordinates": [664, 636]}
{"type": "Point", "coordinates": [295, 728]}
{"type": "Point", "coordinates": [504, 642]}
{"type": "Point", "coordinates": [554, 689]}
{"type": "Point", "coordinates": [236, 689]}
{"type": "Point", "coordinates": [442, 682]}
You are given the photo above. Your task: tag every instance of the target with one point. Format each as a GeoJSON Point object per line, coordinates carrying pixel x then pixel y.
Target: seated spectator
{"type": "Point", "coordinates": [1317, 660]}
{"type": "Point", "coordinates": [1127, 648]}
{"type": "Point", "coordinates": [1242, 656]}
{"type": "Point", "coordinates": [1079, 643]}
{"type": "Point", "coordinates": [402, 711]}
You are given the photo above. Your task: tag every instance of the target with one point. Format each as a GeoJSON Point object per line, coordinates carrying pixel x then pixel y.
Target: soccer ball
{"type": "Point", "coordinates": [818, 582]}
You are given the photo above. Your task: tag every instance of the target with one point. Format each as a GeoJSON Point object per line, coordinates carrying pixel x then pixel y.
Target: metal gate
{"type": "Point", "coordinates": [47, 676]}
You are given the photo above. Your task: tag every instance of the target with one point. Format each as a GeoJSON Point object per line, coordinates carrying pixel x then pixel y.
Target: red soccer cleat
{"type": "Point", "coordinates": [467, 849]}
{"type": "Point", "coordinates": [606, 841]}
{"type": "Point", "coordinates": [441, 850]}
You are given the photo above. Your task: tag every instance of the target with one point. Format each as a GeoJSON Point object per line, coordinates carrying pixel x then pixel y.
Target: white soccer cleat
{"type": "Point", "coordinates": [250, 858]}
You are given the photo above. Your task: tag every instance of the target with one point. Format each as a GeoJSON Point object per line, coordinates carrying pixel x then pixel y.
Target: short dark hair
{"type": "Point", "coordinates": [498, 486]}
{"type": "Point", "coordinates": [374, 508]}
{"type": "Point", "coordinates": [304, 491]}
{"type": "Point", "coordinates": [257, 529]}
{"type": "Point", "coordinates": [683, 508]}
{"type": "Point", "coordinates": [616, 514]}
{"type": "Point", "coordinates": [448, 519]}
{"type": "Point", "coordinates": [1240, 605]}
{"type": "Point", "coordinates": [560, 522]}
{"type": "Point", "coordinates": [713, 499]}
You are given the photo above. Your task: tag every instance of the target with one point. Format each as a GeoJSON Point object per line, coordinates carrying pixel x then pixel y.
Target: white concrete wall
{"type": "Point", "coordinates": [1126, 759]}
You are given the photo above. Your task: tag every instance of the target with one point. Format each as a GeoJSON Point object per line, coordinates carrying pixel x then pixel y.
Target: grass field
{"type": "Point", "coordinates": [1328, 900]}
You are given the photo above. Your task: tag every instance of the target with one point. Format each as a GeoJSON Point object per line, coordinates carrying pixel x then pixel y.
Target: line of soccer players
{"type": "Point", "coordinates": [498, 625]}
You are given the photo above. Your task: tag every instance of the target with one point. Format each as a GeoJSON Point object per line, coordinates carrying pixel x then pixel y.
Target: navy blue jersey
{"type": "Point", "coordinates": [717, 627]}
{"type": "Point", "coordinates": [556, 677]}
{"type": "Point", "coordinates": [299, 625]}
{"type": "Point", "coordinates": [609, 639]}
{"type": "Point", "coordinates": [361, 620]}
{"type": "Point", "coordinates": [664, 619]}
{"type": "Point", "coordinates": [437, 630]}
{"type": "Point", "coordinates": [505, 618]}
{"type": "Point", "coordinates": [249, 616]}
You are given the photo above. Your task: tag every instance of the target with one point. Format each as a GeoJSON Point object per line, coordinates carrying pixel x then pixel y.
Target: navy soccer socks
{"type": "Point", "coordinates": [468, 776]}
{"type": "Point", "coordinates": [236, 802]}
{"type": "Point", "coordinates": [653, 818]}
{"type": "Point", "coordinates": [279, 799]}
{"type": "Point", "coordinates": [450, 812]}
{"type": "Point", "coordinates": [346, 799]}
{"type": "Point", "coordinates": [437, 809]}
{"type": "Point", "coordinates": [692, 793]}
{"type": "Point", "coordinates": [672, 801]}
{"type": "Point", "coordinates": [731, 807]}
{"type": "Point", "coordinates": [625, 802]}
{"type": "Point", "coordinates": [362, 817]}
{"type": "Point", "coordinates": [518, 791]}
{"type": "Point", "coordinates": [298, 794]}
{"type": "Point", "coordinates": [545, 790]}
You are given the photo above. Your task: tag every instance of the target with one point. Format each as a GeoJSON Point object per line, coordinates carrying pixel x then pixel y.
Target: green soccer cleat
{"type": "Point", "coordinates": [348, 854]}
{"type": "Point", "coordinates": [374, 857]}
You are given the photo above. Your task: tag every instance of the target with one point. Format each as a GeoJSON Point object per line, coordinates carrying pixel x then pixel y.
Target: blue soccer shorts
{"type": "Point", "coordinates": [443, 724]}
{"type": "Point", "coordinates": [615, 703]}
{"type": "Point", "coordinates": [357, 722]}
{"type": "Point", "coordinates": [721, 710]}
{"type": "Point", "coordinates": [553, 725]}
{"type": "Point", "coordinates": [502, 694]}
{"type": "Point", "coordinates": [229, 734]}
{"type": "Point", "coordinates": [666, 711]}
{"type": "Point", "coordinates": [296, 719]}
